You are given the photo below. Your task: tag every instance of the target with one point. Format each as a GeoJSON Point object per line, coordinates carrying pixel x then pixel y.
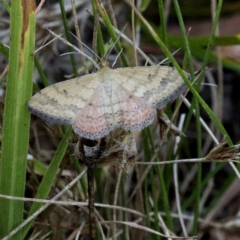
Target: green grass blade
{"type": "Point", "coordinates": [163, 27]}
{"type": "Point", "coordinates": [16, 116]}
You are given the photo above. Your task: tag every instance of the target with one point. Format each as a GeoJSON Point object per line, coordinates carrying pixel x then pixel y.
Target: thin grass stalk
{"type": "Point", "coordinates": [97, 42]}
{"type": "Point", "coordinates": [199, 171]}
{"type": "Point", "coordinates": [164, 196]}
{"type": "Point", "coordinates": [219, 67]}
{"type": "Point", "coordinates": [178, 201]}
{"type": "Point", "coordinates": [197, 193]}
{"type": "Point", "coordinates": [40, 72]}
{"type": "Point", "coordinates": [197, 117]}
{"type": "Point", "coordinates": [95, 34]}
{"type": "Point", "coordinates": [16, 120]}
{"type": "Point", "coordinates": [163, 27]}
{"type": "Point", "coordinates": [147, 155]}
{"type": "Point", "coordinates": [163, 35]}
{"type": "Point", "coordinates": [176, 179]}
{"type": "Point", "coordinates": [152, 183]}
{"type": "Point", "coordinates": [147, 208]}
{"type": "Point", "coordinates": [155, 202]}
{"type": "Point", "coordinates": [111, 13]}
{"type": "Point", "coordinates": [210, 41]}
{"type": "Point", "coordinates": [184, 34]}
{"type": "Point", "coordinates": [140, 202]}
{"type": "Point", "coordinates": [164, 202]}
{"type": "Point", "coordinates": [100, 42]}
{"type": "Point", "coordinates": [199, 154]}
{"type": "Point", "coordinates": [198, 124]}
{"type": "Point", "coordinates": [134, 36]}
{"type": "Point", "coordinates": [65, 24]}
{"type": "Point", "coordinates": [116, 193]}
{"type": "Point", "coordinates": [124, 217]}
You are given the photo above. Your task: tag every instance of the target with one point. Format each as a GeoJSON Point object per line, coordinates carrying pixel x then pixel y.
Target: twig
{"type": "Point", "coordinates": [92, 221]}
{"type": "Point", "coordinates": [115, 202]}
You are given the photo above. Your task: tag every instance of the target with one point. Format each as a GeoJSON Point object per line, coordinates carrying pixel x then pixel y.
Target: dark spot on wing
{"type": "Point", "coordinates": [164, 82]}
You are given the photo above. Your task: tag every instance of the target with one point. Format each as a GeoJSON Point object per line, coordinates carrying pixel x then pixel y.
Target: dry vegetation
{"type": "Point", "coordinates": [197, 197]}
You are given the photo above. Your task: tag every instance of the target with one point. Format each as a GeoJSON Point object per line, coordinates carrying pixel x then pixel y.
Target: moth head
{"type": "Point", "coordinates": [103, 64]}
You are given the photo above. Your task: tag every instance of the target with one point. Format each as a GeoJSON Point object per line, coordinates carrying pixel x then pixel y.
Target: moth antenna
{"type": "Point", "coordinates": [86, 47]}
{"type": "Point", "coordinates": [209, 84]}
{"type": "Point", "coordinates": [75, 48]}
{"type": "Point", "coordinates": [68, 53]}
{"type": "Point", "coordinates": [165, 59]}
{"type": "Point", "coordinates": [114, 44]}
{"type": "Point", "coordinates": [117, 58]}
{"type": "Point", "coordinates": [45, 44]}
{"type": "Point", "coordinates": [154, 58]}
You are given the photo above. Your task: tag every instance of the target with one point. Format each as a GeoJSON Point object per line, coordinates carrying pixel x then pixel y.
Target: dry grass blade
{"type": "Point", "coordinates": [140, 227]}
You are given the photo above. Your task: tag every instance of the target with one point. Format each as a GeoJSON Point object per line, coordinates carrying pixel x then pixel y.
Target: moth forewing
{"type": "Point", "coordinates": [98, 103]}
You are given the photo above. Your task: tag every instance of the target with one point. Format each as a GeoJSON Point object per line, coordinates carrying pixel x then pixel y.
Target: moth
{"type": "Point", "coordinates": [98, 103]}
